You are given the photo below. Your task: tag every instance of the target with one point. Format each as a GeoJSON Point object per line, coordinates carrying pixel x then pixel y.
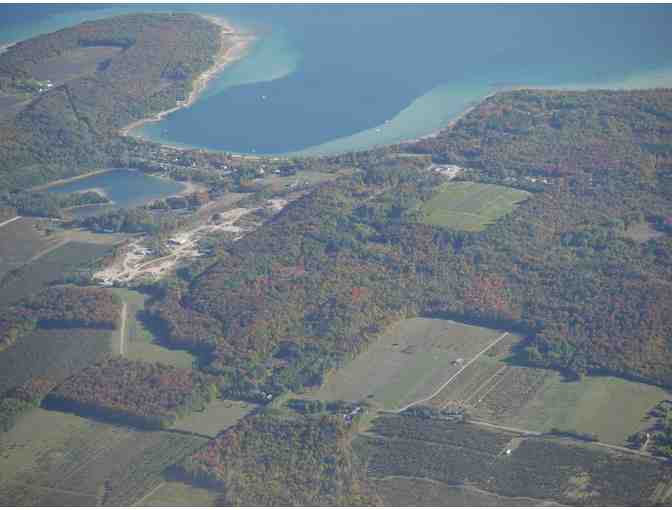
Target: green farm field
{"type": "Point", "coordinates": [217, 416]}
{"type": "Point", "coordinates": [141, 341]}
{"type": "Point", "coordinates": [36, 275]}
{"type": "Point", "coordinates": [408, 363]}
{"type": "Point", "coordinates": [610, 407]}
{"type": "Point", "coordinates": [169, 494]}
{"type": "Point", "coordinates": [59, 459]}
{"type": "Point", "coordinates": [20, 240]}
{"type": "Point", "coordinates": [53, 354]}
{"type": "Point", "coordinates": [537, 399]}
{"type": "Point", "coordinates": [470, 206]}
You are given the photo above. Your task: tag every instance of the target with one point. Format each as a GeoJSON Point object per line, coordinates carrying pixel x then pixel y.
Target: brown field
{"type": "Point", "coordinates": [408, 363]}
{"type": "Point", "coordinates": [63, 458]}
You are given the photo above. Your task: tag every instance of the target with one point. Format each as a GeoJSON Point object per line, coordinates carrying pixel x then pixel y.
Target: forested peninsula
{"type": "Point", "coordinates": [108, 73]}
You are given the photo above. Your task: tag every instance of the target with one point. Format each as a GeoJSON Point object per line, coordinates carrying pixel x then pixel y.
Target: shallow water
{"type": "Point", "coordinates": [324, 79]}
{"type": "Point", "coordinates": [126, 188]}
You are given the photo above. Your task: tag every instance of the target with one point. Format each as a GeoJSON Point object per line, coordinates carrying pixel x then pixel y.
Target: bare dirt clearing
{"type": "Point", "coordinates": [138, 262]}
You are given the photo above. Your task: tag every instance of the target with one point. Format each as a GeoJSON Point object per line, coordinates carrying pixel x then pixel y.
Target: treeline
{"type": "Point", "coordinates": [75, 307]}
{"type": "Point", "coordinates": [271, 459]}
{"type": "Point", "coordinates": [135, 220]}
{"type": "Point", "coordinates": [50, 205]}
{"type": "Point", "coordinates": [149, 395]}
{"type": "Point", "coordinates": [62, 307]}
{"type": "Point", "coordinates": [21, 399]}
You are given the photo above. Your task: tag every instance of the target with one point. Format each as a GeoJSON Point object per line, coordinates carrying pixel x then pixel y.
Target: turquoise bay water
{"type": "Point", "coordinates": [324, 79]}
{"type": "Point", "coordinates": [126, 188]}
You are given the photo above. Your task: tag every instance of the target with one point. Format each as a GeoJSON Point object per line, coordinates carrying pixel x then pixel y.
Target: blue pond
{"type": "Point", "coordinates": [126, 188]}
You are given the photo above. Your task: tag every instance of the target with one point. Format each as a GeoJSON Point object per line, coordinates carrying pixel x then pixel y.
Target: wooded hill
{"type": "Point", "coordinates": [271, 459]}
{"type": "Point", "coordinates": [72, 127]}
{"type": "Point", "coordinates": [335, 267]}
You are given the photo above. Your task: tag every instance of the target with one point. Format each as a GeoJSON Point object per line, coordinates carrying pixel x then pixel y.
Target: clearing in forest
{"type": "Point", "coordinates": [217, 416]}
{"type": "Point", "coordinates": [141, 343]}
{"type": "Point", "coordinates": [470, 206]}
{"type": "Point", "coordinates": [409, 362]}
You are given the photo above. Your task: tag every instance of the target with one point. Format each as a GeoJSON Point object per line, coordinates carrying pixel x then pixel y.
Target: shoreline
{"type": "Point", "coordinates": [6, 46]}
{"type": "Point", "coordinates": [68, 180]}
{"type": "Point", "coordinates": [233, 46]}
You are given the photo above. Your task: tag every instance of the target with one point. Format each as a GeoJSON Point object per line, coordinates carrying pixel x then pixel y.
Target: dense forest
{"type": "Point", "coordinates": [59, 307]}
{"type": "Point", "coordinates": [73, 126]}
{"type": "Point", "coordinates": [273, 459]}
{"type": "Point", "coordinates": [335, 267]}
{"type": "Point", "coordinates": [150, 395]}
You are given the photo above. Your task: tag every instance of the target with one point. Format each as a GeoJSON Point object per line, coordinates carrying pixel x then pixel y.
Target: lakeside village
{"type": "Point", "coordinates": [228, 196]}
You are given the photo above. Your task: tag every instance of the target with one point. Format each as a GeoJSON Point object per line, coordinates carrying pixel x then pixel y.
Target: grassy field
{"type": "Point", "coordinates": [51, 353]}
{"type": "Point", "coordinates": [34, 276]}
{"type": "Point", "coordinates": [141, 342]}
{"type": "Point", "coordinates": [406, 491]}
{"type": "Point", "coordinates": [219, 415]}
{"type": "Point", "coordinates": [610, 407]}
{"type": "Point", "coordinates": [20, 240]}
{"type": "Point", "coordinates": [470, 206]}
{"type": "Point", "coordinates": [63, 458]}
{"type": "Point", "coordinates": [180, 494]}
{"type": "Point", "coordinates": [537, 399]}
{"type": "Point", "coordinates": [409, 362]}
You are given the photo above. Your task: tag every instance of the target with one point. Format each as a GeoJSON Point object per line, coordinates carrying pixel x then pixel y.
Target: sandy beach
{"type": "Point", "coordinates": [5, 47]}
{"type": "Point", "coordinates": [66, 180]}
{"type": "Point", "coordinates": [233, 46]}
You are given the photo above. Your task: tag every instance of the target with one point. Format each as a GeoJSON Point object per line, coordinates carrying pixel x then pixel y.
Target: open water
{"type": "Point", "coordinates": [331, 78]}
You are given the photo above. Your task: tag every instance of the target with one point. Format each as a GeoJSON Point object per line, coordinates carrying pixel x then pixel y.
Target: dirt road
{"type": "Point", "coordinates": [7, 222]}
{"type": "Point", "coordinates": [491, 344]}
{"type": "Point", "coordinates": [122, 330]}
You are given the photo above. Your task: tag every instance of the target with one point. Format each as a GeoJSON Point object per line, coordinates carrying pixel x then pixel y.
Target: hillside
{"type": "Point", "coordinates": [137, 65]}
{"type": "Point", "coordinates": [335, 267]}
